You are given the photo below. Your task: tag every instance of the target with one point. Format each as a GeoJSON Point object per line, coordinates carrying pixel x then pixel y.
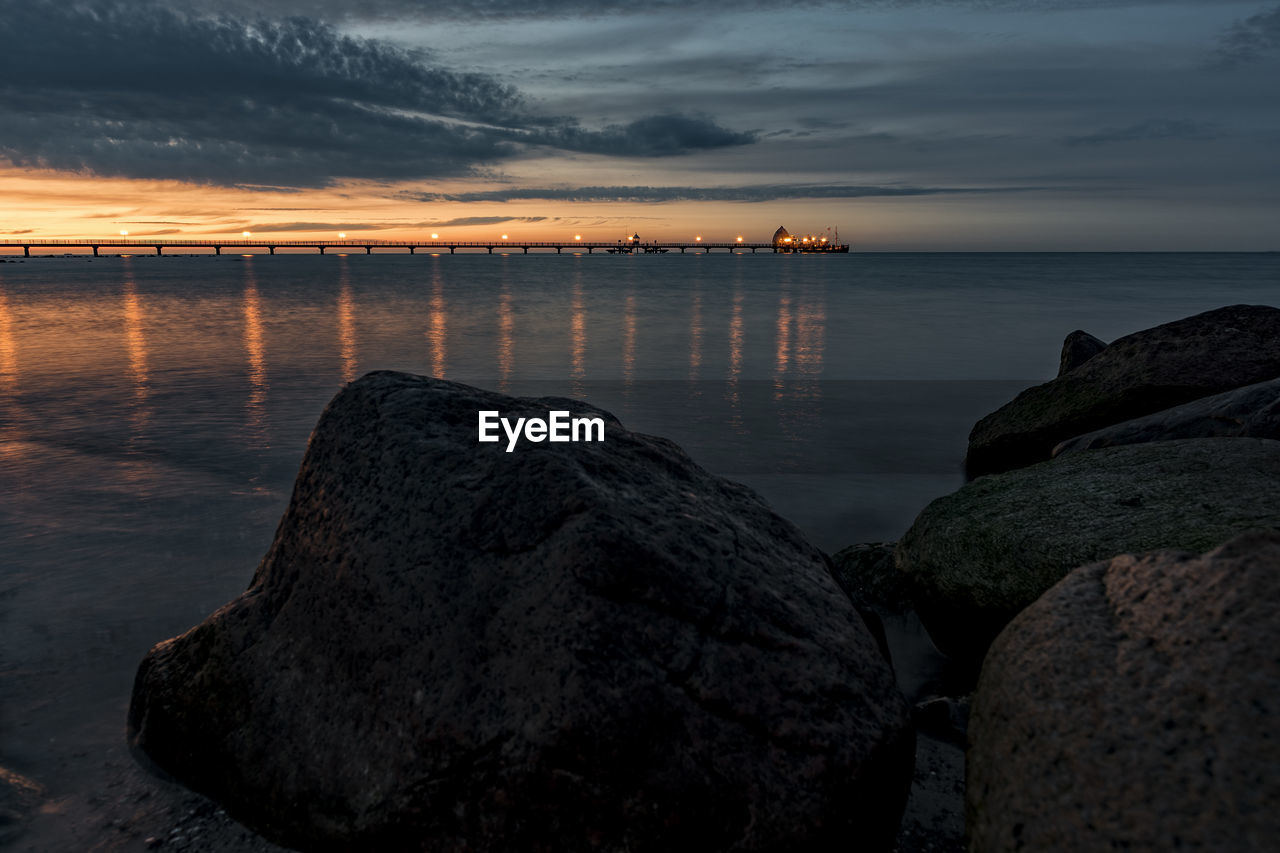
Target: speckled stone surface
{"type": "Point", "coordinates": [1077, 348]}
{"type": "Point", "coordinates": [19, 797]}
{"type": "Point", "coordinates": [976, 557]}
{"type": "Point", "coordinates": [1136, 375]}
{"type": "Point", "coordinates": [1135, 706]}
{"type": "Point", "coordinates": [868, 576]}
{"type": "Point", "coordinates": [1249, 412]}
{"type": "Point", "coordinates": [567, 647]}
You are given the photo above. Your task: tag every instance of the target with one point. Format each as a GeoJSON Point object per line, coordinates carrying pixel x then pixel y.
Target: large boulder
{"type": "Point", "coordinates": [978, 556]}
{"type": "Point", "coordinates": [1136, 375]}
{"type": "Point", "coordinates": [1134, 706]}
{"type": "Point", "coordinates": [571, 646]}
{"type": "Point", "coordinates": [19, 799]}
{"type": "Point", "coordinates": [867, 574]}
{"type": "Point", "coordinates": [1077, 348]}
{"type": "Point", "coordinates": [1251, 412]}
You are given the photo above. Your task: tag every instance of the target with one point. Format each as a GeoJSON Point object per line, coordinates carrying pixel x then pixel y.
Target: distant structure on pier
{"type": "Point", "coordinates": [784, 242]}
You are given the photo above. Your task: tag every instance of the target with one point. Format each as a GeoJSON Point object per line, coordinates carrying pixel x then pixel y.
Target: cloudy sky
{"type": "Point", "coordinates": [909, 124]}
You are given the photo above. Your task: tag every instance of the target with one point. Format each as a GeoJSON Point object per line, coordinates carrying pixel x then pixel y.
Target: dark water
{"type": "Point", "coordinates": [153, 411]}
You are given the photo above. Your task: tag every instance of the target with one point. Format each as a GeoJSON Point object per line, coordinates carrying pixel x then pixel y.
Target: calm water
{"type": "Point", "coordinates": [153, 411]}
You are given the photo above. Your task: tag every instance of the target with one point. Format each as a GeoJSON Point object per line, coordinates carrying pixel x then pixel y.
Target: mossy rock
{"type": "Point", "coordinates": [1145, 372]}
{"type": "Point", "coordinates": [867, 574]}
{"type": "Point", "coordinates": [977, 557]}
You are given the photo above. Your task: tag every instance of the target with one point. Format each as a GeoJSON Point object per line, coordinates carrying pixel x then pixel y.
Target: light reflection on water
{"type": "Point", "coordinates": [153, 412]}
{"type": "Point", "coordinates": [346, 322]}
{"type": "Point", "coordinates": [629, 339]}
{"type": "Point", "coordinates": [695, 334]}
{"type": "Point", "coordinates": [782, 346]}
{"type": "Point", "coordinates": [256, 406]}
{"type": "Point", "coordinates": [11, 427]}
{"type": "Point", "coordinates": [438, 331]}
{"type": "Point", "coordinates": [578, 321]}
{"type": "Point", "coordinates": [136, 341]}
{"type": "Point", "coordinates": [506, 337]}
{"type": "Point", "coordinates": [733, 394]}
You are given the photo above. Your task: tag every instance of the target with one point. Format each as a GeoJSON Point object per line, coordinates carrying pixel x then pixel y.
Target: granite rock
{"type": "Point", "coordinates": [1249, 412]}
{"type": "Point", "coordinates": [1138, 374]}
{"type": "Point", "coordinates": [19, 798]}
{"type": "Point", "coordinates": [867, 574]}
{"type": "Point", "coordinates": [1134, 706]}
{"type": "Point", "coordinates": [977, 557]}
{"type": "Point", "coordinates": [1079, 347]}
{"type": "Point", "coordinates": [572, 646]}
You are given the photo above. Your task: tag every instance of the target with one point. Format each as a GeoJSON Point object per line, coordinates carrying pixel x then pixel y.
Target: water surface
{"type": "Point", "coordinates": [153, 411]}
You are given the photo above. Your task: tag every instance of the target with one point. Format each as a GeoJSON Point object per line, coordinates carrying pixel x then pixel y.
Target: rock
{"type": "Point", "coordinates": [1136, 375]}
{"type": "Point", "coordinates": [566, 647]}
{"type": "Point", "coordinates": [19, 797]}
{"type": "Point", "coordinates": [1079, 347]}
{"type": "Point", "coordinates": [943, 717]}
{"type": "Point", "coordinates": [868, 576]}
{"type": "Point", "coordinates": [980, 555]}
{"type": "Point", "coordinates": [1250, 412]}
{"type": "Point", "coordinates": [1134, 706]}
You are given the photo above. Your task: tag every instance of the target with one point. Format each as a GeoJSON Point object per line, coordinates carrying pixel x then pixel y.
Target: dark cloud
{"type": "Point", "coordinates": [651, 195]}
{"type": "Point", "coordinates": [141, 91]}
{"type": "Point", "coordinates": [1148, 130]}
{"type": "Point", "coordinates": [458, 222]}
{"type": "Point", "coordinates": [1249, 40]}
{"type": "Point", "coordinates": [138, 89]}
{"type": "Point", "coordinates": [525, 9]}
{"type": "Point", "coordinates": [476, 220]}
{"type": "Point", "coordinates": [272, 227]}
{"type": "Point", "coordinates": [653, 136]}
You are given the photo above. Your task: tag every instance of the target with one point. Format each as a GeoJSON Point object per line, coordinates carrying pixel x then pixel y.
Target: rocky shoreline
{"type": "Point", "coordinates": [606, 647]}
{"type": "Point", "coordinates": [1106, 589]}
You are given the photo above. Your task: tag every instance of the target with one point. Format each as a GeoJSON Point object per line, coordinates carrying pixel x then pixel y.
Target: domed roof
{"type": "Point", "coordinates": [781, 234]}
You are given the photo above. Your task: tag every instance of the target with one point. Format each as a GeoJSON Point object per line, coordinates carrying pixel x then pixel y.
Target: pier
{"type": "Point", "coordinates": [435, 247]}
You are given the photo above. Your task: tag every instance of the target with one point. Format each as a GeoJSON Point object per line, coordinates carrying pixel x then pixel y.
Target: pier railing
{"type": "Point", "coordinates": [137, 246]}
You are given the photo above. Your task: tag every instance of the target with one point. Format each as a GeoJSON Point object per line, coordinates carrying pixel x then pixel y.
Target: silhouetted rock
{"type": "Point", "coordinates": [1134, 707]}
{"type": "Point", "coordinates": [980, 555]}
{"type": "Point", "coordinates": [19, 797]}
{"type": "Point", "coordinates": [943, 717]}
{"type": "Point", "coordinates": [1079, 347]}
{"type": "Point", "coordinates": [1249, 412]}
{"type": "Point", "coordinates": [567, 647]}
{"type": "Point", "coordinates": [868, 576]}
{"type": "Point", "coordinates": [1136, 375]}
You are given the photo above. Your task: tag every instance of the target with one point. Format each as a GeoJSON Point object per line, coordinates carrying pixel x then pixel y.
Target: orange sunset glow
{"type": "Point", "coordinates": [55, 205]}
{"type": "Point", "coordinates": [36, 203]}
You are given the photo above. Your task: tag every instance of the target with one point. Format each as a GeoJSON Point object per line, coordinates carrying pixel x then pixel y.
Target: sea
{"type": "Point", "coordinates": [154, 410]}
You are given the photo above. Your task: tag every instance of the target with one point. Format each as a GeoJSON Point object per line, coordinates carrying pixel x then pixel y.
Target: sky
{"type": "Point", "coordinates": [907, 124]}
